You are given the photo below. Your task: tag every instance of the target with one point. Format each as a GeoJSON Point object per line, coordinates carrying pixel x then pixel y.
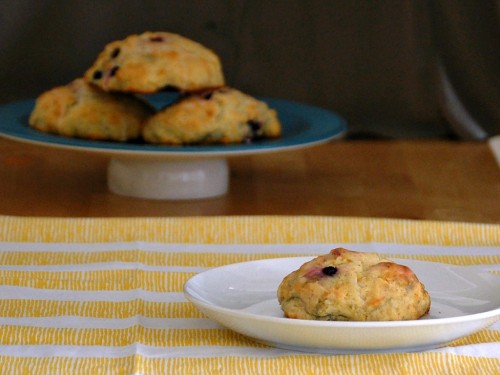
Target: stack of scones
{"type": "Point", "coordinates": [110, 101]}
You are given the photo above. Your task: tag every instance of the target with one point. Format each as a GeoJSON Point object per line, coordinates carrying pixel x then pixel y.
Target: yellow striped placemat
{"type": "Point", "coordinates": [84, 296]}
{"type": "Point", "coordinates": [409, 364]}
{"type": "Point", "coordinates": [247, 230]}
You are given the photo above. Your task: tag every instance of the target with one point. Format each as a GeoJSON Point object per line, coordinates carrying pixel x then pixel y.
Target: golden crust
{"type": "Point", "coordinates": [152, 61]}
{"type": "Point", "coordinates": [361, 287]}
{"type": "Point", "coordinates": [222, 116]}
{"type": "Point", "coordinates": [82, 110]}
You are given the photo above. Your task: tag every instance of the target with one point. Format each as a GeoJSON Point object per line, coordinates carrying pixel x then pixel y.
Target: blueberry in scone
{"type": "Point", "coordinates": [354, 286]}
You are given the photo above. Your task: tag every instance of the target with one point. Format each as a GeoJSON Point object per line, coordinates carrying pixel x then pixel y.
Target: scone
{"type": "Point", "coordinates": [152, 61]}
{"type": "Point", "coordinates": [222, 116]}
{"type": "Point", "coordinates": [354, 286]}
{"type": "Point", "coordinates": [84, 111]}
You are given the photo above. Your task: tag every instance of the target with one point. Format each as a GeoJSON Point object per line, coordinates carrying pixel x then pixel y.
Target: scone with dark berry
{"type": "Point", "coordinates": [152, 61]}
{"type": "Point", "coordinates": [354, 286]}
{"type": "Point", "coordinates": [84, 111]}
{"type": "Point", "coordinates": [221, 116]}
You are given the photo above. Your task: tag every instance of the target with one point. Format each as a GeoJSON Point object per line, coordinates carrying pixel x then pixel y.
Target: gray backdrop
{"type": "Point", "coordinates": [373, 62]}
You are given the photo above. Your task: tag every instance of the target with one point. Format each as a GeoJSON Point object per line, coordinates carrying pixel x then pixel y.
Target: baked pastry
{"type": "Point", "coordinates": [82, 110]}
{"type": "Point", "coordinates": [152, 61]}
{"type": "Point", "coordinates": [355, 286]}
{"type": "Point", "coordinates": [222, 116]}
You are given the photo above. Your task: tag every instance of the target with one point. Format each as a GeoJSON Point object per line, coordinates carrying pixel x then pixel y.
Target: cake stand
{"type": "Point", "coordinates": [179, 172]}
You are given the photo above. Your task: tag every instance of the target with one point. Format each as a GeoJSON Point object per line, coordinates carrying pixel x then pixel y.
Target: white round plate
{"type": "Point", "coordinates": [242, 297]}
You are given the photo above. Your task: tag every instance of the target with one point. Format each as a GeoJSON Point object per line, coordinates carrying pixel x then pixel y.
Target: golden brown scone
{"type": "Point", "coordinates": [152, 61]}
{"type": "Point", "coordinates": [357, 286]}
{"type": "Point", "coordinates": [223, 116]}
{"type": "Point", "coordinates": [84, 111]}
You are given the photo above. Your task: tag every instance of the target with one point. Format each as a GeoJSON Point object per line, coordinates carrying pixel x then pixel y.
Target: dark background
{"type": "Point", "coordinates": [373, 62]}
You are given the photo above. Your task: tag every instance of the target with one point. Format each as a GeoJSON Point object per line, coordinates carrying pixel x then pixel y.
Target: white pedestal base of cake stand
{"type": "Point", "coordinates": [177, 179]}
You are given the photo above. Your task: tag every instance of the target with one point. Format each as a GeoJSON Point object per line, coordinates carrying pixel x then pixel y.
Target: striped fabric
{"type": "Point", "coordinates": [85, 296]}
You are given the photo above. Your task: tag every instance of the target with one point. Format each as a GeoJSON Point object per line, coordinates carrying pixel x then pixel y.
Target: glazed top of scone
{"type": "Point", "coordinates": [152, 61]}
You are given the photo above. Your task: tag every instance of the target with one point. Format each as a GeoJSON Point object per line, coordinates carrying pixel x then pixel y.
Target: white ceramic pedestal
{"type": "Point", "coordinates": [173, 179]}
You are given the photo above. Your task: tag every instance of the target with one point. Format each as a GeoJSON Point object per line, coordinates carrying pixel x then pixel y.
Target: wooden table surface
{"type": "Point", "coordinates": [418, 179]}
